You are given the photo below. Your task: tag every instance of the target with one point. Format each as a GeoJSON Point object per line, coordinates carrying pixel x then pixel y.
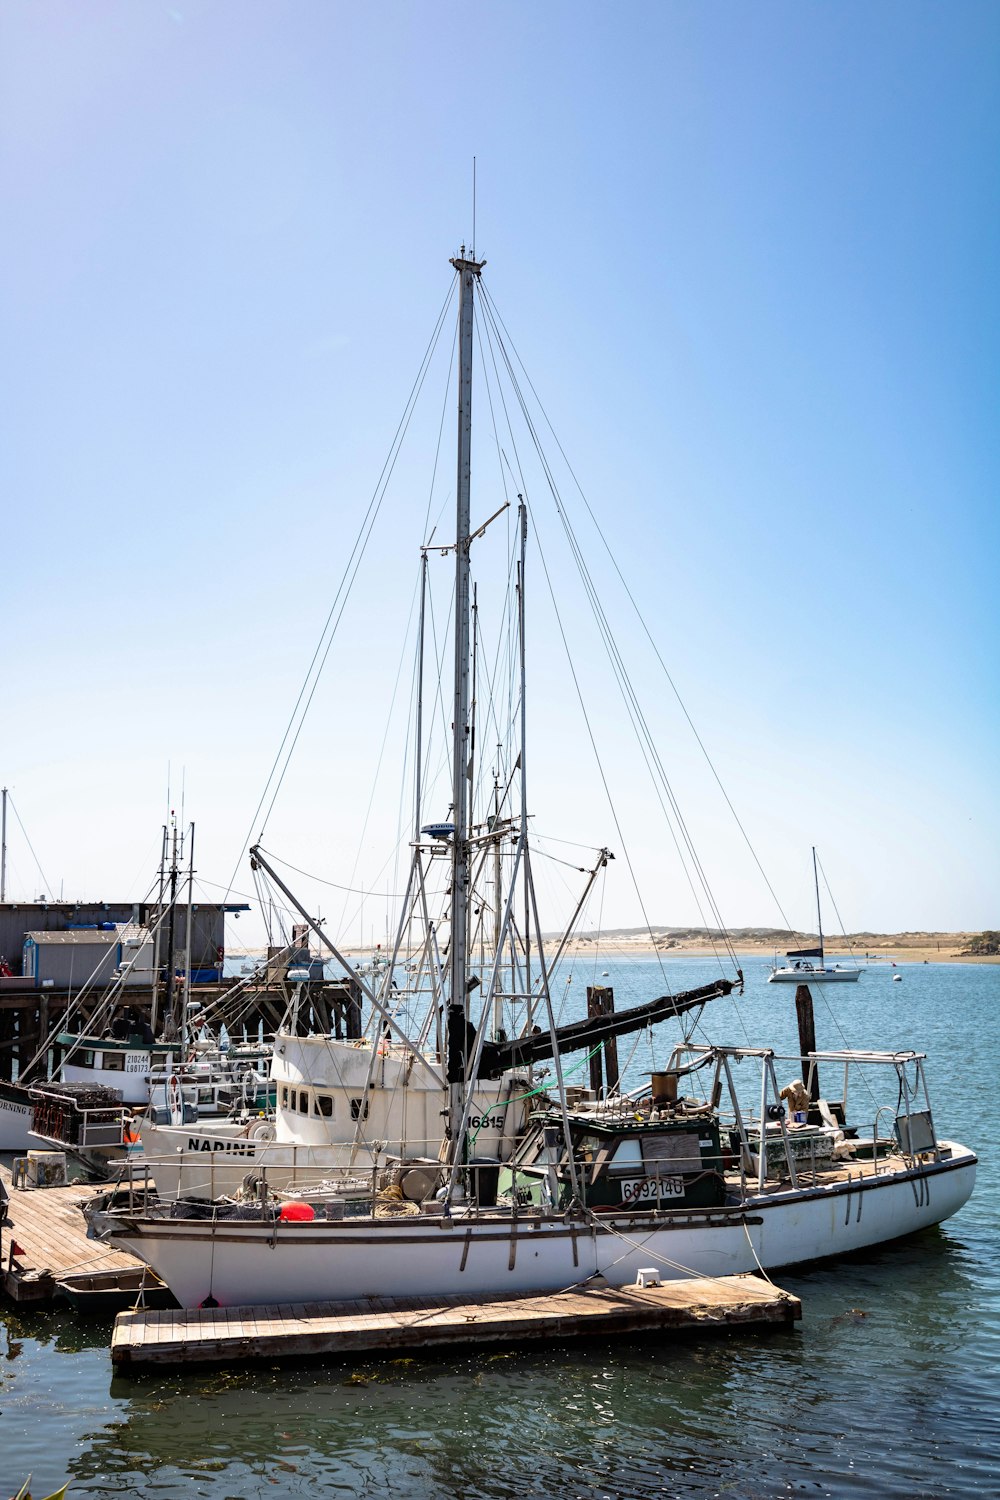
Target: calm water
{"type": "Point", "coordinates": [886, 1389]}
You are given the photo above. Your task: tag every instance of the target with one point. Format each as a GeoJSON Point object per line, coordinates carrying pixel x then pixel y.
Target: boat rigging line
{"type": "Point", "coordinates": [495, 314]}
{"type": "Point", "coordinates": [629, 694]}
{"type": "Point", "coordinates": [9, 802]}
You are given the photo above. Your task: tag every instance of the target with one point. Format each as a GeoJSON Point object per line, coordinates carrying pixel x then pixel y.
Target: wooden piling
{"type": "Point", "coordinates": [601, 1002]}
{"type": "Point", "coordinates": [807, 1037]}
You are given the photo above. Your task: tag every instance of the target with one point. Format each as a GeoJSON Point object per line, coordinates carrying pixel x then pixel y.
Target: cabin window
{"type": "Point", "coordinates": [284, 1096]}
{"type": "Point", "coordinates": [323, 1105]}
{"type": "Point", "coordinates": [627, 1158]}
{"type": "Point", "coordinates": [293, 1099]}
{"type": "Point", "coordinates": [587, 1147]}
{"type": "Point", "coordinates": [114, 1062]}
{"type": "Point", "coordinates": [84, 1059]}
{"type": "Point", "coordinates": [359, 1109]}
{"type": "Point", "coordinates": [303, 1101]}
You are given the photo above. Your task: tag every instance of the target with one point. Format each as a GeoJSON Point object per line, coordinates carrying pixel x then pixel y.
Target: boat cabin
{"type": "Point", "coordinates": [624, 1161]}
{"type": "Point", "coordinates": [730, 1139]}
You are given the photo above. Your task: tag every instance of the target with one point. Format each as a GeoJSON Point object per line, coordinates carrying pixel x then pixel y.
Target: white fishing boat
{"type": "Point", "coordinates": [694, 1173]}
{"type": "Point", "coordinates": [341, 1107]}
{"type": "Point", "coordinates": [600, 1190]}
{"type": "Point", "coordinates": [15, 1117]}
{"type": "Point", "coordinates": [809, 965]}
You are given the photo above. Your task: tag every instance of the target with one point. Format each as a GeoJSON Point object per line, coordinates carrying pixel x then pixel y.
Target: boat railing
{"type": "Point", "coordinates": [885, 1110]}
{"type": "Point", "coordinates": [224, 1174]}
{"type": "Point", "coordinates": [912, 1134]}
{"type": "Point", "coordinates": [134, 1172]}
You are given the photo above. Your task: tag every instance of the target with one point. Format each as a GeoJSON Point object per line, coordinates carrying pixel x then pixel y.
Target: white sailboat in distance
{"type": "Point", "coordinates": [809, 965]}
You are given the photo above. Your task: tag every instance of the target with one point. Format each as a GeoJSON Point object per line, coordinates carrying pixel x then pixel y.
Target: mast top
{"type": "Point", "coordinates": [462, 263]}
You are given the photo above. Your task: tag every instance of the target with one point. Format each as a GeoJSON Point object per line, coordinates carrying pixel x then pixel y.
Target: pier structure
{"type": "Point", "coordinates": [43, 1238]}
{"type": "Point", "coordinates": [48, 981]}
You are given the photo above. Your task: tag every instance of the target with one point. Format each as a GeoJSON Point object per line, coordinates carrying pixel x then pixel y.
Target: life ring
{"type": "Point", "coordinates": [261, 1130]}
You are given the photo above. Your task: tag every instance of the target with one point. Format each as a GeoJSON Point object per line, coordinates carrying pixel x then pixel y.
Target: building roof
{"type": "Point", "coordinates": [88, 935]}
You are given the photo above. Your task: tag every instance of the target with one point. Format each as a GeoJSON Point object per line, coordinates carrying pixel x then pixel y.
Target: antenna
{"type": "Point", "coordinates": [473, 208]}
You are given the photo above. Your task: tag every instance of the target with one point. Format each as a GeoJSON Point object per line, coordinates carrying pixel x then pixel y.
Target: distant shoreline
{"type": "Point", "coordinates": [881, 960]}
{"type": "Point", "coordinates": [880, 952]}
{"type": "Point", "coordinates": [875, 950]}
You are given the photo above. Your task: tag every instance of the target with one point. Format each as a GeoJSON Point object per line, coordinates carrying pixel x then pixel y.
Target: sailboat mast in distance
{"type": "Point", "coordinates": [819, 914]}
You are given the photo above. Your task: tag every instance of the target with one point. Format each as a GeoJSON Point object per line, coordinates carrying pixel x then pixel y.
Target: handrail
{"type": "Point", "coordinates": [884, 1109]}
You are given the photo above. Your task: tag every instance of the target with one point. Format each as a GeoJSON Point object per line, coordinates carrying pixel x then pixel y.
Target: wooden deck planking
{"type": "Point", "coordinates": [49, 1227]}
{"type": "Point", "coordinates": [223, 1335]}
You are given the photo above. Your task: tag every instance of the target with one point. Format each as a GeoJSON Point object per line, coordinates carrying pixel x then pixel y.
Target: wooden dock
{"type": "Point", "coordinates": [385, 1325]}
{"type": "Point", "coordinates": [50, 1233]}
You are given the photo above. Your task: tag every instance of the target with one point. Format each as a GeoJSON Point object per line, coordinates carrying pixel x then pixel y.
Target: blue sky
{"type": "Point", "coordinates": [748, 255]}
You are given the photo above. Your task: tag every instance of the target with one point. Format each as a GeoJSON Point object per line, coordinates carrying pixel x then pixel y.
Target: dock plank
{"type": "Point", "coordinates": [208, 1336]}
{"type": "Point", "coordinates": [48, 1226]}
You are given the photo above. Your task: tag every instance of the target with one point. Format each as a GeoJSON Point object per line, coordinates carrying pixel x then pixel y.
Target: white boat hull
{"type": "Point", "coordinates": [814, 976]}
{"type": "Point", "coordinates": [15, 1120]}
{"type": "Point", "coordinates": [245, 1263]}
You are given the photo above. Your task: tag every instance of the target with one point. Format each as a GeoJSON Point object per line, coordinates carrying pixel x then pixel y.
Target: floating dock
{"type": "Point", "coordinates": [49, 1232]}
{"type": "Point", "coordinates": [386, 1325]}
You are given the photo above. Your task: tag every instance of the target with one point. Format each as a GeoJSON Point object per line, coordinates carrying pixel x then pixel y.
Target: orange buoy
{"type": "Point", "coordinates": [296, 1213]}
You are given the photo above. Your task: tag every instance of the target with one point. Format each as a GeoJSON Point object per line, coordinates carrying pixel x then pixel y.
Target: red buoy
{"type": "Point", "coordinates": [296, 1213]}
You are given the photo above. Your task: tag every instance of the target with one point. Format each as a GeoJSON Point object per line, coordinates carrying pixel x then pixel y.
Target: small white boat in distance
{"type": "Point", "coordinates": [805, 971]}
{"type": "Point", "coordinates": [808, 965]}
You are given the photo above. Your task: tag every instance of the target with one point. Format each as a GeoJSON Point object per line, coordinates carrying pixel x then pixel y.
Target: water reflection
{"type": "Point", "coordinates": [881, 1344]}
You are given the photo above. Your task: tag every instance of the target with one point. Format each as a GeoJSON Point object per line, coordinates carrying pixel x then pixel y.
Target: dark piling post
{"type": "Point", "coordinates": [601, 1002]}
{"type": "Point", "coordinates": [807, 1036]}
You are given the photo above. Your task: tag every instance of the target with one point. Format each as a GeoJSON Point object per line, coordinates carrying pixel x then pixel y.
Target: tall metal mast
{"type": "Point", "coordinates": [186, 1000]}
{"type": "Point", "coordinates": [468, 274]}
{"type": "Point", "coordinates": [171, 998]}
{"type": "Point", "coordinates": [154, 1008]}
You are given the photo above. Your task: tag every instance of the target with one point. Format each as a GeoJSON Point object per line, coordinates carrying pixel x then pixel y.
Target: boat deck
{"type": "Point", "coordinates": [826, 1172]}
{"type": "Point", "coordinates": [383, 1325]}
{"type": "Point", "coordinates": [50, 1232]}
